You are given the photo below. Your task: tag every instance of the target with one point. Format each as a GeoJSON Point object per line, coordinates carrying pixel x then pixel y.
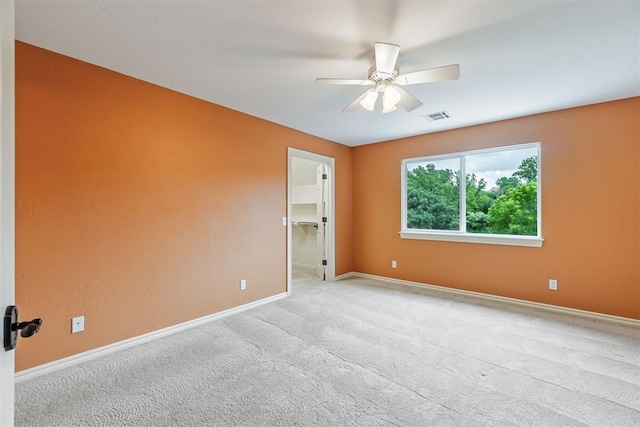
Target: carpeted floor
{"type": "Point", "coordinates": [357, 353]}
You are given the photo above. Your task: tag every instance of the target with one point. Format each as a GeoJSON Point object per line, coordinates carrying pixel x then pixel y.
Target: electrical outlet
{"type": "Point", "coordinates": [243, 284]}
{"type": "Point", "coordinates": [284, 220]}
{"type": "Point", "coordinates": [77, 324]}
{"type": "Point", "coordinates": [553, 284]}
{"type": "Point", "coordinates": [394, 264]}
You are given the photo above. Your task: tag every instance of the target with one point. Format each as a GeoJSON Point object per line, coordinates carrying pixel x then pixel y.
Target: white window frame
{"type": "Point", "coordinates": [461, 235]}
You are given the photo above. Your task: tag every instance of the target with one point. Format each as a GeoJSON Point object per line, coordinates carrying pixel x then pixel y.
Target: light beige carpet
{"type": "Point", "coordinates": [356, 353]}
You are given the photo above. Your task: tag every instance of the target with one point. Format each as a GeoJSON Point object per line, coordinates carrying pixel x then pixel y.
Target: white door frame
{"type": "Point", "coordinates": [7, 200]}
{"type": "Point", "coordinates": [331, 226]}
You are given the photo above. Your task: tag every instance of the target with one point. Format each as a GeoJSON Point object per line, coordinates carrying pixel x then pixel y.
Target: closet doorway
{"type": "Point", "coordinates": [310, 228]}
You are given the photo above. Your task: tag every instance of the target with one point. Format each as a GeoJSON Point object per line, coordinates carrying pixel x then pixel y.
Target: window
{"type": "Point", "coordinates": [499, 203]}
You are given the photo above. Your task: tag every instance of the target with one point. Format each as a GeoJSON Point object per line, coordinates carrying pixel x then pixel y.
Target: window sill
{"type": "Point", "coordinates": [488, 239]}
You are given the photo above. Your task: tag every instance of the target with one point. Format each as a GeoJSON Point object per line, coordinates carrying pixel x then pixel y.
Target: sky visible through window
{"type": "Point", "coordinates": [488, 166]}
{"type": "Point", "coordinates": [491, 166]}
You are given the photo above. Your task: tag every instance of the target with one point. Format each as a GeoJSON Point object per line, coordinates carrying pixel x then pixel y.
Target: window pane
{"type": "Point", "coordinates": [433, 195]}
{"type": "Point", "coordinates": [502, 194]}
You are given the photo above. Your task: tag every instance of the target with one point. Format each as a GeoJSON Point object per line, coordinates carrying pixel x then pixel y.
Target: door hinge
{"type": "Point", "coordinates": [324, 176]}
{"type": "Point", "coordinates": [324, 219]}
{"type": "Point", "coordinates": [324, 262]}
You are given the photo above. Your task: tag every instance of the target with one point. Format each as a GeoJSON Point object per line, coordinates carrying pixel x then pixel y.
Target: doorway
{"type": "Point", "coordinates": [311, 213]}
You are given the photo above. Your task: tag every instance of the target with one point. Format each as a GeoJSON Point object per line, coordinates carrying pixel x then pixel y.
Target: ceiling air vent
{"type": "Point", "coordinates": [440, 115]}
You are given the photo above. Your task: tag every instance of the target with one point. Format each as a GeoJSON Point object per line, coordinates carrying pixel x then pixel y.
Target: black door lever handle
{"type": "Point", "coordinates": [27, 328]}
{"type": "Point", "coordinates": [11, 328]}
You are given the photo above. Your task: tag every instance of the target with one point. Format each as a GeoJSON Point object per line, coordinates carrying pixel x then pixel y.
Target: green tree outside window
{"type": "Point", "coordinates": [511, 207]}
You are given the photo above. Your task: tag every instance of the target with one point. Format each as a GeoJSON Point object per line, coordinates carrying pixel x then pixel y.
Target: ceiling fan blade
{"type": "Point", "coordinates": [355, 104]}
{"type": "Point", "coordinates": [408, 101]}
{"type": "Point", "coordinates": [386, 57]}
{"type": "Point", "coordinates": [343, 82]}
{"type": "Point", "coordinates": [448, 72]}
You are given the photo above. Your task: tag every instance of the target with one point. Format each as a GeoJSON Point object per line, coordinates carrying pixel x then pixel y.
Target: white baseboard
{"type": "Point", "coordinates": [112, 348]}
{"type": "Point", "coordinates": [626, 321]}
{"type": "Point", "coordinates": [345, 276]}
{"type": "Point", "coordinates": [121, 345]}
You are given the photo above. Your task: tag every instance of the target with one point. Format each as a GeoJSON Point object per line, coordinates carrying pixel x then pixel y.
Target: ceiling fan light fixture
{"type": "Point", "coordinates": [384, 73]}
{"type": "Point", "coordinates": [388, 108]}
{"type": "Point", "coordinates": [390, 99]}
{"type": "Point", "coordinates": [369, 100]}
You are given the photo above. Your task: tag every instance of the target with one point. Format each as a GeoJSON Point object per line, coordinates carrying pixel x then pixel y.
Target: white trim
{"type": "Point", "coordinates": [472, 152]}
{"type": "Point", "coordinates": [490, 239]}
{"type": "Point", "coordinates": [462, 200]}
{"type": "Point", "coordinates": [331, 224]}
{"type": "Point", "coordinates": [626, 321]}
{"type": "Point", "coordinates": [56, 365]}
{"type": "Point", "coordinates": [539, 189]}
{"type": "Point", "coordinates": [7, 199]}
{"type": "Point", "coordinates": [345, 275]}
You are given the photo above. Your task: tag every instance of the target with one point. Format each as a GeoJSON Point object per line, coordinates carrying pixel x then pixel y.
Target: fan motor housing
{"type": "Point", "coordinates": [376, 76]}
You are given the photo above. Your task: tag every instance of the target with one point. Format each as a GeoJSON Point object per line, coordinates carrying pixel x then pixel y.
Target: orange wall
{"type": "Point", "coordinates": [140, 208]}
{"type": "Point", "coordinates": [590, 212]}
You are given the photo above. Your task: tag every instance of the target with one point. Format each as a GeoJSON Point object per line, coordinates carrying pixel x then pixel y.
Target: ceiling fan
{"type": "Point", "coordinates": [384, 76]}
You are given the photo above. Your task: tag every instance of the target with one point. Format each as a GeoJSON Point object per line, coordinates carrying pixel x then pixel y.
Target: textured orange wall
{"type": "Point", "coordinates": [590, 212]}
{"type": "Point", "coordinates": [140, 208]}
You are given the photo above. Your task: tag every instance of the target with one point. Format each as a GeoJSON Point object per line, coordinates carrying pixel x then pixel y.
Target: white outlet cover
{"type": "Point", "coordinates": [77, 324]}
{"type": "Point", "coordinates": [243, 284]}
{"type": "Point", "coordinates": [553, 284]}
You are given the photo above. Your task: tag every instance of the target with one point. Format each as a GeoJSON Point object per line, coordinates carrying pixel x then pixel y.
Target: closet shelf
{"type": "Point", "coordinates": [305, 223]}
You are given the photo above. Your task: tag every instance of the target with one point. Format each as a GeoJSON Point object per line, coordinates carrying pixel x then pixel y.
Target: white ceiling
{"type": "Point", "coordinates": [261, 57]}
